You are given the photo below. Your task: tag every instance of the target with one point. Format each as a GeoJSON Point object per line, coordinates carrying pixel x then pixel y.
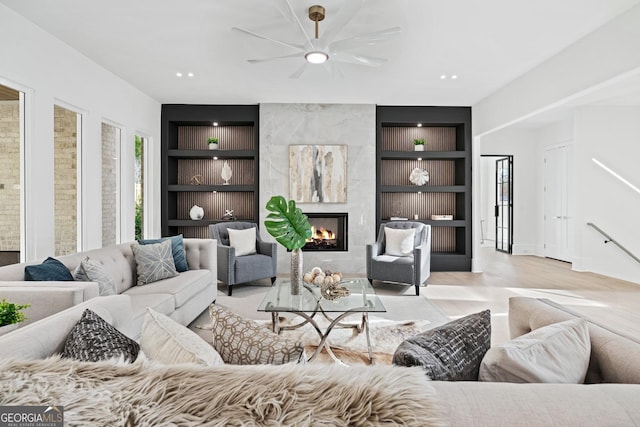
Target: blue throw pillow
{"type": "Point", "coordinates": [50, 270]}
{"type": "Point", "coordinates": [177, 250]}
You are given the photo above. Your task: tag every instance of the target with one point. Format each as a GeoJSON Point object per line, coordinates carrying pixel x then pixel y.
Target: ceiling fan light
{"type": "Point", "coordinates": [316, 57]}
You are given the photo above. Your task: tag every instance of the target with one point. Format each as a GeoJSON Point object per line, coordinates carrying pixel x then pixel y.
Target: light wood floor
{"type": "Point", "coordinates": [615, 303]}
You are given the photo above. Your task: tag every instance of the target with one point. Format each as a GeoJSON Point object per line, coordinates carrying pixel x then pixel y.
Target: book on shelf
{"type": "Point", "coordinates": [398, 218]}
{"type": "Point", "coordinates": [442, 217]}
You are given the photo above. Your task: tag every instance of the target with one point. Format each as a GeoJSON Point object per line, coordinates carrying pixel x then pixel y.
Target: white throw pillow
{"type": "Point", "coordinates": [243, 240]}
{"type": "Point", "coordinates": [399, 242]}
{"type": "Point", "coordinates": [164, 340]}
{"type": "Point", "coordinates": [557, 353]}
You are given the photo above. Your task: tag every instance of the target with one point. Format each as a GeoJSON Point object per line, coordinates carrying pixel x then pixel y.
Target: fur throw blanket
{"type": "Point", "coordinates": [148, 394]}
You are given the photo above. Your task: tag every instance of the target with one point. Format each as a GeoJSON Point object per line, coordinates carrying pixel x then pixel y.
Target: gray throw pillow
{"type": "Point", "coordinates": [451, 352]}
{"type": "Point", "coordinates": [90, 270]}
{"type": "Point", "coordinates": [153, 262]}
{"type": "Point", "coordinates": [93, 339]}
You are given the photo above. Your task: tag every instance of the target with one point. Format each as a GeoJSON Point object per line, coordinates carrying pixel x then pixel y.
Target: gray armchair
{"type": "Point", "coordinates": [234, 269]}
{"type": "Point", "coordinates": [414, 268]}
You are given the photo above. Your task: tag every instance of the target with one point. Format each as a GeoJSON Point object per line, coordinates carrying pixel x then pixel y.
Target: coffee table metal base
{"type": "Point", "coordinates": [335, 323]}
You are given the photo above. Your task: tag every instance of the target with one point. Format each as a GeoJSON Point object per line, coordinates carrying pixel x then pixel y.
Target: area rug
{"type": "Point", "coordinates": [346, 343]}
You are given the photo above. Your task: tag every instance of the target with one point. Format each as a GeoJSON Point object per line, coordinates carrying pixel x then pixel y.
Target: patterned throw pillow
{"type": "Point", "coordinates": [451, 352]}
{"type": "Point", "coordinates": [177, 250]}
{"type": "Point", "coordinates": [153, 262]}
{"type": "Point", "coordinates": [243, 342]}
{"type": "Point", "coordinates": [92, 339]}
{"type": "Point", "coordinates": [50, 270]}
{"type": "Point", "coordinates": [165, 340]}
{"type": "Point", "coordinates": [93, 271]}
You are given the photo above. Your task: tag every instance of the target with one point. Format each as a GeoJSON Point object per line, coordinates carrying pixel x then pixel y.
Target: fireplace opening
{"type": "Point", "coordinates": [328, 232]}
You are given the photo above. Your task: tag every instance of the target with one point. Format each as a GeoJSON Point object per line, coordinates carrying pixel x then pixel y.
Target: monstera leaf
{"type": "Point", "coordinates": [287, 223]}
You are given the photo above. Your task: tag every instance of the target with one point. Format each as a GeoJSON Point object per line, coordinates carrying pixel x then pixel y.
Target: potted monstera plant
{"type": "Point", "coordinates": [11, 315]}
{"type": "Point", "coordinates": [291, 228]}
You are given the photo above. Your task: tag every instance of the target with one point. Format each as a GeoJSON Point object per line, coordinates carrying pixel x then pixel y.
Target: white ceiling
{"type": "Point", "coordinates": [486, 43]}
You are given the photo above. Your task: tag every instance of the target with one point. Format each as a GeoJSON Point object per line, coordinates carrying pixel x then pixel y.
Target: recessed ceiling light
{"type": "Point", "coordinates": [419, 159]}
{"type": "Point", "coordinates": [419, 125]}
{"type": "Point", "coordinates": [215, 158]}
{"type": "Point", "coordinates": [455, 76]}
{"type": "Point", "coordinates": [178, 74]}
{"type": "Point", "coordinates": [190, 74]}
{"type": "Point", "coordinates": [444, 76]}
{"type": "Point", "coordinates": [215, 123]}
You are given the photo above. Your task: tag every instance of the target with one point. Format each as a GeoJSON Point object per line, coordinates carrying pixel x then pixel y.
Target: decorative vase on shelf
{"type": "Point", "coordinates": [196, 213]}
{"type": "Point", "coordinates": [226, 173]}
{"type": "Point", "coordinates": [296, 271]}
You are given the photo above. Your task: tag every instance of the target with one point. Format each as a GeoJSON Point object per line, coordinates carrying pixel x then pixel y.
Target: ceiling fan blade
{"type": "Point", "coordinates": [299, 71]}
{"type": "Point", "coordinates": [251, 33]}
{"type": "Point", "coordinates": [353, 58]}
{"type": "Point", "coordinates": [346, 13]}
{"type": "Point", "coordinates": [256, 61]}
{"type": "Point", "coordinates": [309, 44]}
{"type": "Point", "coordinates": [334, 70]}
{"type": "Point", "coordinates": [365, 39]}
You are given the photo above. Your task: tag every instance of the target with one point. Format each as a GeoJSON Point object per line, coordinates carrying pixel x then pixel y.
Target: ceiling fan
{"type": "Point", "coordinates": [327, 50]}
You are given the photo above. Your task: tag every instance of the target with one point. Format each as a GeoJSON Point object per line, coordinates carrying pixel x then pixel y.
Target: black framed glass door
{"type": "Point", "coordinates": [504, 204]}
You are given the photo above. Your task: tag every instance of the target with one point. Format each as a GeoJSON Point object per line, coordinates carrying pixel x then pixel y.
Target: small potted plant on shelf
{"type": "Point", "coordinates": [213, 143]}
{"type": "Point", "coordinates": [418, 144]}
{"type": "Point", "coordinates": [11, 315]}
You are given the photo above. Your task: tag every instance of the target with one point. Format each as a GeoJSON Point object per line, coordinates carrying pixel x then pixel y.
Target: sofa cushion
{"type": "Point", "coordinates": [244, 342]}
{"type": "Point", "coordinates": [451, 352]}
{"type": "Point", "coordinates": [165, 340]}
{"type": "Point", "coordinates": [182, 287]}
{"type": "Point", "coordinates": [399, 242]}
{"type": "Point", "coordinates": [93, 339]}
{"type": "Point", "coordinates": [50, 270]}
{"type": "Point", "coordinates": [177, 250]}
{"type": "Point", "coordinates": [93, 271]}
{"type": "Point", "coordinates": [244, 241]}
{"type": "Point", "coordinates": [557, 353]}
{"type": "Point", "coordinates": [153, 262]}
{"type": "Point", "coordinates": [249, 267]}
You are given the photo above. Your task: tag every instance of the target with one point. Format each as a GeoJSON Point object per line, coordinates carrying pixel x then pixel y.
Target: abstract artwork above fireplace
{"type": "Point", "coordinates": [318, 173]}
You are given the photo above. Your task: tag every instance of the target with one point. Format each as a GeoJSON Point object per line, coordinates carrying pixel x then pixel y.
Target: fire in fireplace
{"type": "Point", "coordinates": [328, 232]}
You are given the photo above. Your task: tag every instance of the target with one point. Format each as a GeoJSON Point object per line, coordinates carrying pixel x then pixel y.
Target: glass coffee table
{"type": "Point", "coordinates": [309, 303]}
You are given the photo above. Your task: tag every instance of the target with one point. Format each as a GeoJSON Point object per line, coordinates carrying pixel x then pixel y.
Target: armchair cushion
{"type": "Point", "coordinates": [243, 240]}
{"type": "Point", "coordinates": [399, 242]}
{"type": "Point", "coordinates": [250, 267]}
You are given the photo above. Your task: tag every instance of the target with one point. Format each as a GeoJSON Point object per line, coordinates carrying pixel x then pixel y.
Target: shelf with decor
{"type": "Point", "coordinates": [445, 165]}
{"type": "Point", "coordinates": [218, 180]}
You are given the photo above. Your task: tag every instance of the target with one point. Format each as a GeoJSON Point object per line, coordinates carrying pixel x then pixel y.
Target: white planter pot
{"type": "Point", "coordinates": [418, 147]}
{"type": "Point", "coordinates": [213, 146]}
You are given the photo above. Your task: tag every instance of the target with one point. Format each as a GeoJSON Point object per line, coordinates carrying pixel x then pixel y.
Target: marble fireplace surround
{"type": "Point", "coordinates": [353, 125]}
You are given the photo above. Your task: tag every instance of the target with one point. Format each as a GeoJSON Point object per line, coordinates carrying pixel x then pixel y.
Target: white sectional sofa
{"type": "Point", "coordinates": [182, 297]}
{"type": "Point", "coordinates": [614, 359]}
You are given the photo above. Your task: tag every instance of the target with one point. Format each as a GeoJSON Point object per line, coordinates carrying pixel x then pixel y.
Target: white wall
{"type": "Point", "coordinates": [609, 52]}
{"type": "Point", "coordinates": [50, 72]}
{"type": "Point", "coordinates": [282, 125]}
{"type": "Point", "coordinates": [612, 136]}
{"type": "Point", "coordinates": [520, 143]}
